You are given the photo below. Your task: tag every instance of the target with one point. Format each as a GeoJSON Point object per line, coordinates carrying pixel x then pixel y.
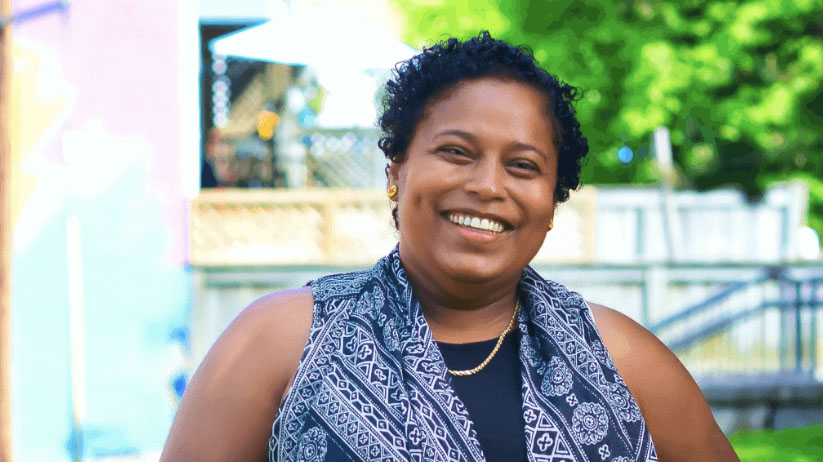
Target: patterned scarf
{"type": "Point", "coordinates": [372, 385]}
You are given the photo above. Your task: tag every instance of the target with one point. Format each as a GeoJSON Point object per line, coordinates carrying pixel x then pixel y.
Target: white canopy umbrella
{"type": "Point", "coordinates": [316, 37]}
{"type": "Point", "coordinates": [339, 47]}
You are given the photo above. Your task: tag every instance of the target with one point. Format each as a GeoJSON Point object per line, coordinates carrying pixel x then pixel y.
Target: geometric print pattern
{"type": "Point", "coordinates": [372, 385]}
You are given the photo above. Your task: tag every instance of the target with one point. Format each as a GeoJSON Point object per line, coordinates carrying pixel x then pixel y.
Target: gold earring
{"type": "Point", "coordinates": [551, 223]}
{"type": "Point", "coordinates": [392, 191]}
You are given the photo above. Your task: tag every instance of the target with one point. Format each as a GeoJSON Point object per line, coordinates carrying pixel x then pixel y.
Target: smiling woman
{"type": "Point", "coordinates": [451, 348]}
{"type": "Point", "coordinates": [484, 153]}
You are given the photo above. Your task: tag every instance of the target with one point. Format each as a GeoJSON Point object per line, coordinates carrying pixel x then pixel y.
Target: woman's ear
{"type": "Point", "coordinates": [551, 218]}
{"type": "Point", "coordinates": [393, 180]}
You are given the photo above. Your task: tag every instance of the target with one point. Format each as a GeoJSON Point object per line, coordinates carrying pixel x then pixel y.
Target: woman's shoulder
{"type": "Point", "coordinates": [649, 368]}
{"type": "Point", "coordinates": [228, 408]}
{"type": "Point", "coordinates": [274, 330]}
{"type": "Point", "coordinates": [278, 311]}
{"type": "Point", "coordinates": [675, 410]}
{"type": "Point", "coordinates": [278, 322]}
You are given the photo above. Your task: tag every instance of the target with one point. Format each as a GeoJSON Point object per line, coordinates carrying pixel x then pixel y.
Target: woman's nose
{"type": "Point", "coordinates": [486, 180]}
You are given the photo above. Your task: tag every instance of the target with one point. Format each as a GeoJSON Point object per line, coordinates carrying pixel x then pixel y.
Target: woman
{"type": "Point", "coordinates": [451, 347]}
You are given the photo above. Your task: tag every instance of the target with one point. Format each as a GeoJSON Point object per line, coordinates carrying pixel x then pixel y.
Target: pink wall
{"type": "Point", "coordinates": [118, 157]}
{"type": "Point", "coordinates": [122, 58]}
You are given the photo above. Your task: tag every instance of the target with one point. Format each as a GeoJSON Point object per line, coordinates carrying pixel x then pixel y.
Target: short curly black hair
{"type": "Point", "coordinates": [426, 77]}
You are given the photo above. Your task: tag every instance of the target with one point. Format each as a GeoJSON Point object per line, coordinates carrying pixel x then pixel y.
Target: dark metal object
{"type": "Point", "coordinates": [34, 12]}
{"type": "Point", "coordinates": [797, 345]}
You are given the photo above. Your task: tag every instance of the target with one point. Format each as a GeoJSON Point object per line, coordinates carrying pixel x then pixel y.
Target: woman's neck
{"type": "Point", "coordinates": [464, 312]}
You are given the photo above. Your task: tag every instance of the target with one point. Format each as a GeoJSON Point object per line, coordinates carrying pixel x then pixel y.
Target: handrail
{"type": "Point", "coordinates": [229, 196]}
{"type": "Point", "coordinates": [773, 274]}
{"type": "Point", "coordinates": [721, 324]}
{"type": "Point", "coordinates": [795, 336]}
{"type": "Point", "coordinates": [706, 304]}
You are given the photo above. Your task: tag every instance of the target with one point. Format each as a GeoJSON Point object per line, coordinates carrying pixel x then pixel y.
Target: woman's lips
{"type": "Point", "coordinates": [484, 231]}
{"type": "Point", "coordinates": [476, 223]}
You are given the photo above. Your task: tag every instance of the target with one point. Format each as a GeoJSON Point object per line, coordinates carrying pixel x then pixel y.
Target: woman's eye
{"type": "Point", "coordinates": [455, 154]}
{"type": "Point", "coordinates": [525, 165]}
{"type": "Point", "coordinates": [453, 150]}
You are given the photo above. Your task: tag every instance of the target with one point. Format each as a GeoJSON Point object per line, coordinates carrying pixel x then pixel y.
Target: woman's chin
{"type": "Point", "coordinates": [478, 271]}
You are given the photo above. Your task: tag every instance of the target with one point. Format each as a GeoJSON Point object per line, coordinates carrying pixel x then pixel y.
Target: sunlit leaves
{"type": "Point", "coordinates": [738, 83]}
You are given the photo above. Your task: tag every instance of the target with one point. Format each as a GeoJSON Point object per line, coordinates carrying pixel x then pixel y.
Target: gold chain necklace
{"type": "Point", "coordinates": [486, 361]}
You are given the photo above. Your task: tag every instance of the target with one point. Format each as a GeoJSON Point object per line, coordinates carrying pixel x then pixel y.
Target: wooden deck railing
{"type": "Point", "coordinates": [347, 227]}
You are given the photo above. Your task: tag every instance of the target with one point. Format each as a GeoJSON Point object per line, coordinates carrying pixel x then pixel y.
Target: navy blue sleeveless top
{"type": "Point", "coordinates": [372, 383]}
{"type": "Point", "coordinates": [492, 396]}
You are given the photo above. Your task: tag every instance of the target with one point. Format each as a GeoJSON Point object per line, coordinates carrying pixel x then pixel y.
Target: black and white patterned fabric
{"type": "Point", "coordinates": [372, 384]}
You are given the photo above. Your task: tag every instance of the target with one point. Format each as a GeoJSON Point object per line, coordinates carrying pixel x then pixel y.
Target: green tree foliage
{"type": "Point", "coordinates": [738, 83]}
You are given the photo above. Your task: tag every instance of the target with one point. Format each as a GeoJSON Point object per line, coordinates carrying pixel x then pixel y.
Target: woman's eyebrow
{"type": "Point", "coordinates": [521, 146]}
{"type": "Point", "coordinates": [456, 132]}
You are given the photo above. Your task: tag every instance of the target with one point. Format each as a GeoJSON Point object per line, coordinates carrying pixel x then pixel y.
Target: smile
{"type": "Point", "coordinates": [483, 224]}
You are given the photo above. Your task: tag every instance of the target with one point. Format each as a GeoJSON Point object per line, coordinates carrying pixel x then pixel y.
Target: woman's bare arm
{"type": "Point", "coordinates": [675, 410]}
{"type": "Point", "coordinates": [228, 408]}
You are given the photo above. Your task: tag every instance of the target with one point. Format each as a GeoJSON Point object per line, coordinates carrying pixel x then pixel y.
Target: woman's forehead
{"type": "Point", "coordinates": [486, 80]}
{"type": "Point", "coordinates": [489, 103]}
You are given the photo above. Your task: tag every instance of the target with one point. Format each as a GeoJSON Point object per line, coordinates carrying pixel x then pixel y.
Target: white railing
{"type": "Point", "coordinates": [234, 227]}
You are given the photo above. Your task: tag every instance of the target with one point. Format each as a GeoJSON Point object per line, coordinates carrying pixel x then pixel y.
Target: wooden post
{"type": "Point", "coordinates": [5, 234]}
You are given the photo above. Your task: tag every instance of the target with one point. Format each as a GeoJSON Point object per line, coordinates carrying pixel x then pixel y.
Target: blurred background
{"type": "Point", "coordinates": [165, 163]}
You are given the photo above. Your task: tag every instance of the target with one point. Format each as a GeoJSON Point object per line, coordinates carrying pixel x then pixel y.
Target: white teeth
{"type": "Point", "coordinates": [477, 222]}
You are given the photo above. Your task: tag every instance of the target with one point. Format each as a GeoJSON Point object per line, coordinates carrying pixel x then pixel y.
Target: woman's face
{"type": "Point", "coordinates": [476, 186]}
